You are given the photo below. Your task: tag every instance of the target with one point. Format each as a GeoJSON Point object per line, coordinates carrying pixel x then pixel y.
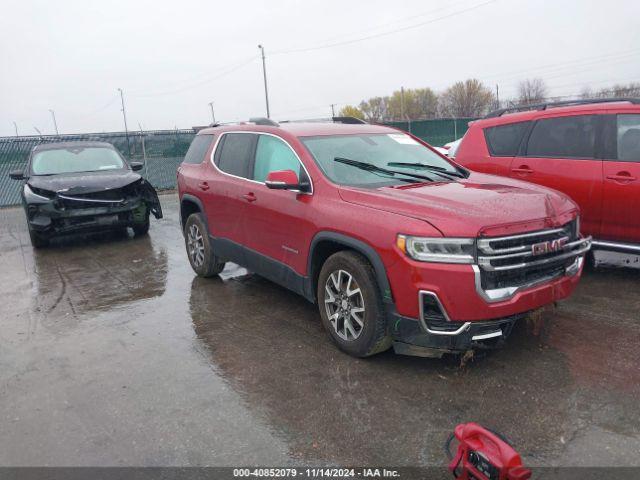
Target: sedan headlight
{"type": "Point", "coordinates": [441, 250]}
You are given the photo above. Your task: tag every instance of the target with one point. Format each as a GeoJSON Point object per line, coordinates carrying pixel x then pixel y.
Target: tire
{"type": "Point", "coordinates": [336, 282]}
{"type": "Point", "coordinates": [199, 249]}
{"type": "Point", "coordinates": [140, 229]}
{"type": "Point", "coordinates": [37, 239]}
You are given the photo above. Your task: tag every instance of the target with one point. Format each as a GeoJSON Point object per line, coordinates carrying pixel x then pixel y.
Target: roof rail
{"type": "Point", "coordinates": [348, 120]}
{"type": "Point", "coordinates": [564, 103]}
{"type": "Point", "coordinates": [263, 121]}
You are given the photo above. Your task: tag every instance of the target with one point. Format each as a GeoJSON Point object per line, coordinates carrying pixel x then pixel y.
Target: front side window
{"type": "Point", "coordinates": [504, 140]}
{"type": "Point", "coordinates": [563, 137]}
{"type": "Point", "coordinates": [236, 152]}
{"type": "Point", "coordinates": [392, 152]}
{"type": "Point", "coordinates": [629, 137]}
{"type": "Point", "coordinates": [198, 149]}
{"type": "Point", "coordinates": [75, 160]}
{"type": "Point", "coordinates": [273, 154]}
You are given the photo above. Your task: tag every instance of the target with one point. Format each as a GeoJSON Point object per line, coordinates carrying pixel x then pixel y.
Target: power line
{"type": "Point", "coordinates": [198, 84]}
{"type": "Point", "coordinates": [383, 34]}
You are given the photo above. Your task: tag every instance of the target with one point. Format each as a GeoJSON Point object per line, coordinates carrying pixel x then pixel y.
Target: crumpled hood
{"type": "Point", "coordinates": [469, 206]}
{"type": "Point", "coordinates": [84, 182]}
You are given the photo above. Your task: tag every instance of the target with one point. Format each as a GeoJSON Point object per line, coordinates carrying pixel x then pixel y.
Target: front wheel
{"type": "Point", "coordinates": [140, 229]}
{"type": "Point", "coordinates": [201, 256]}
{"type": "Point", "coordinates": [350, 305]}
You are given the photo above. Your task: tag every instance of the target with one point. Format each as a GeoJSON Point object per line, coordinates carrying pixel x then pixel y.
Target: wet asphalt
{"type": "Point", "coordinates": [112, 352]}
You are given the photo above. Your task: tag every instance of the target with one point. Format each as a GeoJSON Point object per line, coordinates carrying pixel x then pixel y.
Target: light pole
{"type": "Point", "coordinates": [213, 115]}
{"type": "Point", "coordinates": [15, 125]}
{"type": "Point", "coordinates": [333, 110]}
{"type": "Point", "coordinates": [55, 124]}
{"type": "Point", "coordinates": [124, 116]}
{"type": "Point", "coordinates": [264, 73]}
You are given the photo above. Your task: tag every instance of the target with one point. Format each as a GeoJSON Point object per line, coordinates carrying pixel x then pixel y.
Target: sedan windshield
{"type": "Point", "coordinates": [339, 155]}
{"type": "Point", "coordinates": [75, 159]}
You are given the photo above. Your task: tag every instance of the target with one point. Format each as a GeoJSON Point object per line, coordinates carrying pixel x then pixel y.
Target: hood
{"type": "Point", "coordinates": [84, 182]}
{"type": "Point", "coordinates": [480, 204]}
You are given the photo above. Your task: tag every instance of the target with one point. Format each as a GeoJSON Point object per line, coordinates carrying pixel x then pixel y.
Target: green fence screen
{"type": "Point", "coordinates": [162, 150]}
{"type": "Point", "coordinates": [435, 132]}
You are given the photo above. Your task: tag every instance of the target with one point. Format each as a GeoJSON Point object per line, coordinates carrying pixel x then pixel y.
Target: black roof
{"type": "Point", "coordinates": [72, 144]}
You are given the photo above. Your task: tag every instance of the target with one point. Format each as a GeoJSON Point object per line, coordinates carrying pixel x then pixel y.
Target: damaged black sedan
{"type": "Point", "coordinates": [83, 187]}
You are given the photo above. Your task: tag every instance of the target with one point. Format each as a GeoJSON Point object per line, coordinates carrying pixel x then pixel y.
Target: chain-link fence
{"type": "Point", "coordinates": [161, 152]}
{"type": "Point", "coordinates": [435, 132]}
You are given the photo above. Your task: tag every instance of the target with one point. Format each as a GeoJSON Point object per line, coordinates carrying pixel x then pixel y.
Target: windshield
{"type": "Point", "coordinates": [75, 159]}
{"type": "Point", "coordinates": [395, 151]}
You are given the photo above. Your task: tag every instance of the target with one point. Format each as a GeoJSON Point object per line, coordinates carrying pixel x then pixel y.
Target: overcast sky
{"type": "Point", "coordinates": [173, 58]}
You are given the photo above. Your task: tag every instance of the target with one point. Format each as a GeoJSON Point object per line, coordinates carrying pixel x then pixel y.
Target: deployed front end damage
{"type": "Point", "coordinates": [80, 208]}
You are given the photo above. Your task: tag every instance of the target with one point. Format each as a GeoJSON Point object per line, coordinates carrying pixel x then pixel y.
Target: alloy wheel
{"type": "Point", "coordinates": [195, 245]}
{"type": "Point", "coordinates": [344, 305]}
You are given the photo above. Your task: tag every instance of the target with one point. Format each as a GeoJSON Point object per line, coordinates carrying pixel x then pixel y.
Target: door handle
{"type": "Point", "coordinates": [249, 197]}
{"type": "Point", "coordinates": [522, 169]}
{"type": "Point", "coordinates": [621, 177]}
{"type": "Point", "coordinates": [203, 186]}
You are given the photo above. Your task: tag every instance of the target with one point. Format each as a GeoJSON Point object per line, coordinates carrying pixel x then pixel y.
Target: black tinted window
{"type": "Point", "coordinates": [563, 137]}
{"type": "Point", "coordinates": [198, 149]}
{"type": "Point", "coordinates": [504, 140]}
{"type": "Point", "coordinates": [236, 153]}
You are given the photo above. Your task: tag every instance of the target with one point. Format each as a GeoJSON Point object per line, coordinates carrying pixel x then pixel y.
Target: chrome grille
{"type": "Point", "coordinates": [526, 259]}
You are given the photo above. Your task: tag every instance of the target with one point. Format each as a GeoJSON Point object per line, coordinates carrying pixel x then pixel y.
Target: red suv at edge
{"type": "Point", "coordinates": [590, 151]}
{"type": "Point", "coordinates": [397, 245]}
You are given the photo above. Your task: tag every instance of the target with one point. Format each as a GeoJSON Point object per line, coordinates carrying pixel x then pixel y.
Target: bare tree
{"type": "Point", "coordinates": [374, 109]}
{"type": "Point", "coordinates": [532, 90]}
{"type": "Point", "coordinates": [466, 99]}
{"type": "Point", "coordinates": [629, 90]}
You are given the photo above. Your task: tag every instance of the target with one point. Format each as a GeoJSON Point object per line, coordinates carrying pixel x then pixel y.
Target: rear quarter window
{"type": "Point", "coordinates": [504, 140]}
{"type": "Point", "coordinates": [198, 149]}
{"type": "Point", "coordinates": [563, 137]}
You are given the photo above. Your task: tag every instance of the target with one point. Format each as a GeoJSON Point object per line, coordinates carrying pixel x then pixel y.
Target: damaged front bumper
{"type": "Point", "coordinates": [65, 212]}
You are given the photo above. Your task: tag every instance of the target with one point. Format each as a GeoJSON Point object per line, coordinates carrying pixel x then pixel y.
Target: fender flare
{"type": "Point", "coordinates": [192, 198]}
{"type": "Point", "coordinates": [361, 247]}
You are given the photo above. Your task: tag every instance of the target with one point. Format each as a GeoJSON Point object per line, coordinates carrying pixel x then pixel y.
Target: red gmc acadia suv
{"type": "Point", "coordinates": [588, 149]}
{"type": "Point", "coordinates": [396, 244]}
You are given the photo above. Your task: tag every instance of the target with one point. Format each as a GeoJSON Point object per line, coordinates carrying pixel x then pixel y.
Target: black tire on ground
{"type": "Point", "coordinates": [196, 238]}
{"type": "Point", "coordinates": [140, 229]}
{"type": "Point", "coordinates": [373, 336]}
{"type": "Point", "coordinates": [590, 261]}
{"type": "Point", "coordinates": [38, 240]}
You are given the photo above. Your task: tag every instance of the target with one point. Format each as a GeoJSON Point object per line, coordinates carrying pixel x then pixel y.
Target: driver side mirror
{"type": "Point", "coordinates": [16, 175]}
{"type": "Point", "coordinates": [136, 166]}
{"type": "Point", "coordinates": [284, 180]}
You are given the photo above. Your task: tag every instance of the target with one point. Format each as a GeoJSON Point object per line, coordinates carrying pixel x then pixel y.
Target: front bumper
{"type": "Point", "coordinates": [446, 308]}
{"type": "Point", "coordinates": [51, 220]}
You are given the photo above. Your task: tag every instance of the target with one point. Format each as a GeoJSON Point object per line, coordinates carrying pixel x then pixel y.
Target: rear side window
{"type": "Point", "coordinates": [273, 154]}
{"type": "Point", "coordinates": [198, 149]}
{"type": "Point", "coordinates": [629, 138]}
{"type": "Point", "coordinates": [563, 137]}
{"type": "Point", "coordinates": [504, 140]}
{"type": "Point", "coordinates": [237, 151]}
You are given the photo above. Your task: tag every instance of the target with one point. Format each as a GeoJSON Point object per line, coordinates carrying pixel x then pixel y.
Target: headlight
{"type": "Point", "coordinates": [441, 250]}
{"type": "Point", "coordinates": [33, 197]}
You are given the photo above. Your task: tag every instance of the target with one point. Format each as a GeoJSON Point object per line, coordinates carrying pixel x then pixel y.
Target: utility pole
{"type": "Point", "coordinates": [264, 73]}
{"type": "Point", "coordinates": [144, 151]}
{"type": "Point", "coordinates": [402, 103]}
{"type": "Point", "coordinates": [497, 97]}
{"type": "Point", "coordinates": [213, 115]}
{"type": "Point", "coordinates": [55, 124]}
{"type": "Point", "coordinates": [333, 111]}
{"type": "Point", "coordinates": [15, 125]}
{"type": "Point", "coordinates": [124, 116]}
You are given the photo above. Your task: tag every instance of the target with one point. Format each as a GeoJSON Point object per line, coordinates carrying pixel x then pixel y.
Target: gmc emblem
{"type": "Point", "coordinates": [549, 246]}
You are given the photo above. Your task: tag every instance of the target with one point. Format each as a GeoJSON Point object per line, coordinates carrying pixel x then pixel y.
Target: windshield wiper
{"type": "Point", "coordinates": [433, 168]}
{"type": "Point", "coordinates": [375, 169]}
